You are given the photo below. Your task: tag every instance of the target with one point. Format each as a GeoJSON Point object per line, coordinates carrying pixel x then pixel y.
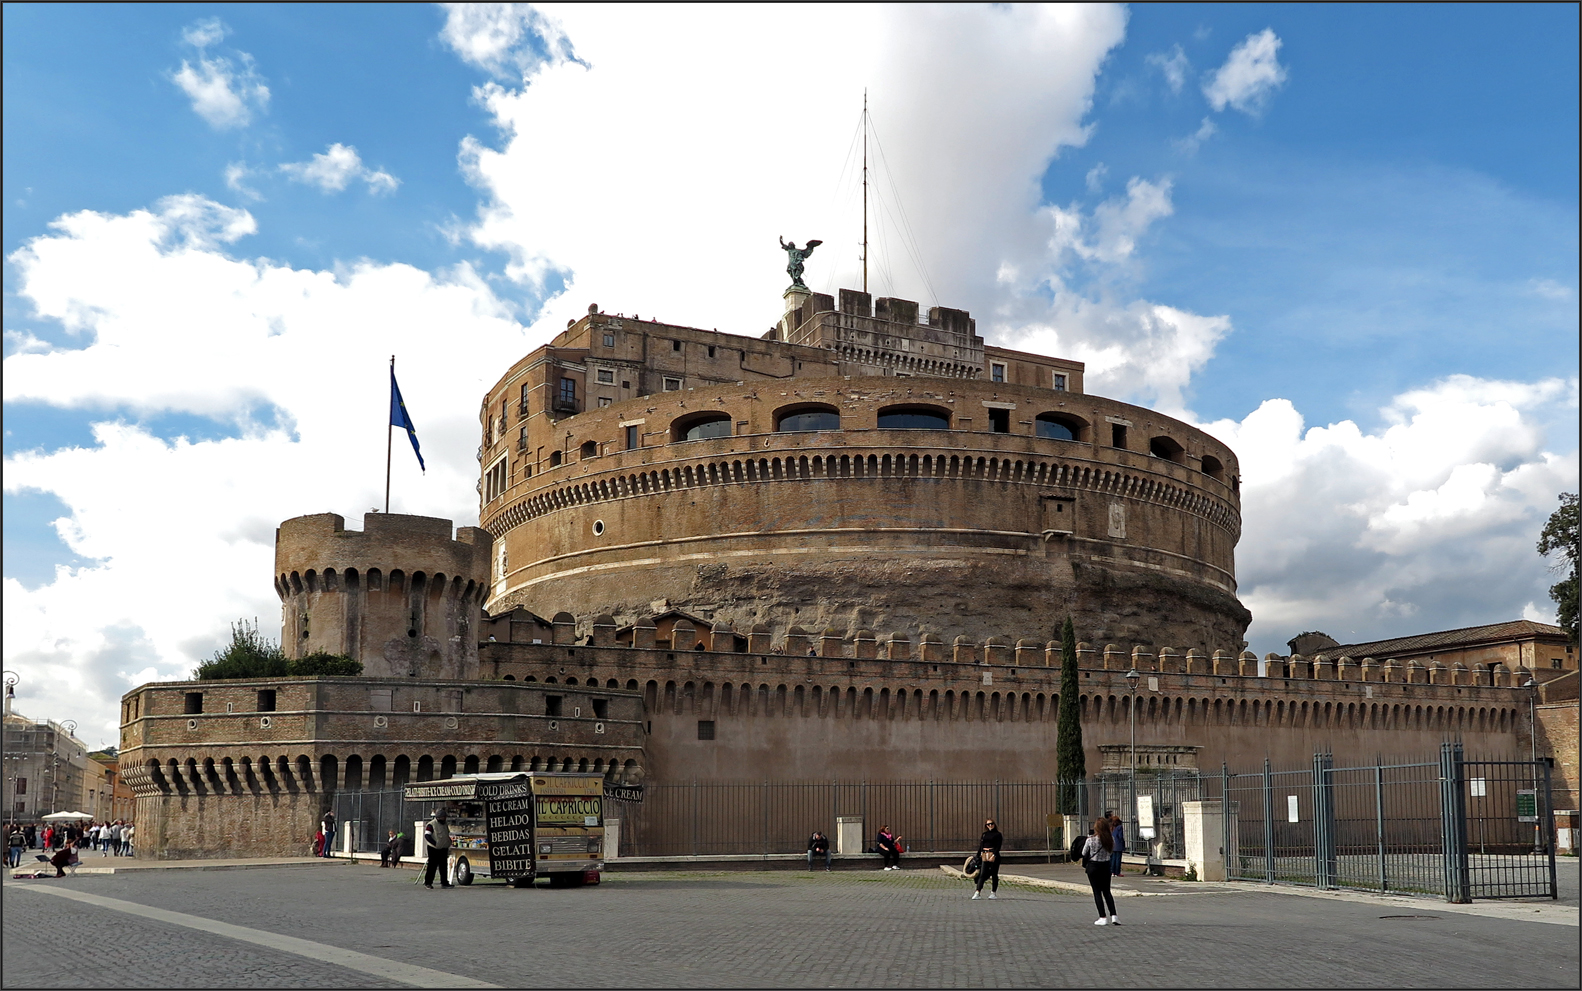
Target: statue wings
{"type": "Point", "coordinates": [811, 245]}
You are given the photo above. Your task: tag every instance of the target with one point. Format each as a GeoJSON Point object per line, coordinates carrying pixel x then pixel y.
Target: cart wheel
{"type": "Point", "coordinates": [463, 871]}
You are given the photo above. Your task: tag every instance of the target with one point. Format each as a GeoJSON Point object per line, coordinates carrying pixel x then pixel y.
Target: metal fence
{"type": "Point", "coordinates": [745, 818]}
{"type": "Point", "coordinates": [1162, 835]}
{"type": "Point", "coordinates": [371, 814]}
{"type": "Point", "coordinates": [1452, 827]}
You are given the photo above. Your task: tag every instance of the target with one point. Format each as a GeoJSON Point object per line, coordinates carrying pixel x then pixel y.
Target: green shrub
{"type": "Point", "coordinates": [249, 655]}
{"type": "Point", "coordinates": [320, 664]}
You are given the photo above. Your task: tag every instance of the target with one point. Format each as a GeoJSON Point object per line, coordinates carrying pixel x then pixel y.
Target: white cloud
{"type": "Point", "coordinates": [236, 176]}
{"type": "Point", "coordinates": [1192, 142]}
{"type": "Point", "coordinates": [1173, 65]}
{"type": "Point", "coordinates": [1549, 289]}
{"type": "Point", "coordinates": [293, 361]}
{"type": "Point", "coordinates": [222, 92]}
{"type": "Point", "coordinates": [1095, 177]}
{"type": "Point", "coordinates": [336, 168]}
{"type": "Point", "coordinates": [1249, 76]}
{"type": "Point", "coordinates": [510, 41]}
{"type": "Point", "coordinates": [1425, 523]}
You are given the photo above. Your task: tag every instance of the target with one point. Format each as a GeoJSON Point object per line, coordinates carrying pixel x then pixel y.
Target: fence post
{"type": "Point", "coordinates": [694, 817]}
{"type": "Point", "coordinates": [1324, 819]}
{"type": "Point", "coordinates": [1546, 821]}
{"type": "Point", "coordinates": [766, 819]}
{"type": "Point", "coordinates": [1232, 869]}
{"type": "Point", "coordinates": [1453, 824]}
{"type": "Point", "coordinates": [933, 838]}
{"type": "Point", "coordinates": [1378, 807]}
{"type": "Point", "coordinates": [1268, 824]}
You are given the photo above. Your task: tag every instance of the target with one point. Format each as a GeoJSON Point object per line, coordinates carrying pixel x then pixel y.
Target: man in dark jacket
{"type": "Point", "coordinates": [328, 823]}
{"type": "Point", "coordinates": [989, 850]}
{"type": "Point", "coordinates": [818, 846]}
{"type": "Point", "coordinates": [436, 838]}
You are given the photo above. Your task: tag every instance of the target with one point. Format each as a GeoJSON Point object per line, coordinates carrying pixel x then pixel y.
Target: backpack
{"type": "Point", "coordinates": [973, 866]}
{"type": "Point", "coordinates": [1077, 846]}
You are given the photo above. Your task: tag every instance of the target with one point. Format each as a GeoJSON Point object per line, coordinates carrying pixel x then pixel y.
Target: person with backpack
{"type": "Point", "coordinates": [1096, 863]}
{"type": "Point", "coordinates": [989, 853]}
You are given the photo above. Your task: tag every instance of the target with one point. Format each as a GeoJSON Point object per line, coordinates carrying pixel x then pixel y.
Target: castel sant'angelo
{"type": "Point", "coordinates": [839, 550]}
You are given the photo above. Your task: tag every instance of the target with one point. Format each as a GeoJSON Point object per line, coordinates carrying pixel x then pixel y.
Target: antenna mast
{"type": "Point", "coordinates": [865, 190]}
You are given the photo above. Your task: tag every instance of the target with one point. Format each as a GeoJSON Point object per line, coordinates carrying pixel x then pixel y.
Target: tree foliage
{"type": "Point", "coordinates": [1560, 535]}
{"type": "Point", "coordinates": [252, 655]}
{"type": "Point", "coordinates": [1071, 764]}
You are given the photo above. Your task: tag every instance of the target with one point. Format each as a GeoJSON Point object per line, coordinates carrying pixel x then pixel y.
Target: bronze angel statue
{"type": "Point", "coordinates": [795, 256]}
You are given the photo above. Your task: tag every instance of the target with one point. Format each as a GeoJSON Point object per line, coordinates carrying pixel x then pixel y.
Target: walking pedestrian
{"type": "Point", "coordinates": [127, 840]}
{"type": "Point", "coordinates": [15, 841]}
{"type": "Point", "coordinates": [1096, 862]}
{"type": "Point", "coordinates": [32, 836]}
{"type": "Point", "coordinates": [1118, 838]}
{"type": "Point", "coordinates": [989, 852]}
{"type": "Point", "coordinates": [886, 846]}
{"type": "Point", "coordinates": [436, 839]}
{"type": "Point", "coordinates": [818, 846]}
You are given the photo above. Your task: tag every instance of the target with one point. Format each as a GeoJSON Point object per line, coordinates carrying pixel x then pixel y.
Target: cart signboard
{"type": "Point", "coordinates": [508, 826]}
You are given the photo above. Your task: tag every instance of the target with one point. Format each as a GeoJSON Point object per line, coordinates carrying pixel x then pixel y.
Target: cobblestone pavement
{"type": "Point", "coordinates": [896, 929]}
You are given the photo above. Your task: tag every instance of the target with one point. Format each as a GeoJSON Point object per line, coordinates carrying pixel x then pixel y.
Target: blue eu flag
{"type": "Point", "coordinates": [399, 418]}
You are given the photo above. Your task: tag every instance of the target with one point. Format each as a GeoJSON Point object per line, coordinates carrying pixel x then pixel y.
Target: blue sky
{"type": "Point", "coordinates": [1379, 234]}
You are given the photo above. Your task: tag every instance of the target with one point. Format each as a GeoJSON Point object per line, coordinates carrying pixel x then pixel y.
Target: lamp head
{"type": "Point", "coordinates": [1132, 677]}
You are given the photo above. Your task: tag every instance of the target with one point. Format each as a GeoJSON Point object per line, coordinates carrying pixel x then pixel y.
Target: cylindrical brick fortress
{"type": "Point", "coordinates": [400, 595]}
{"type": "Point", "coordinates": [916, 504]}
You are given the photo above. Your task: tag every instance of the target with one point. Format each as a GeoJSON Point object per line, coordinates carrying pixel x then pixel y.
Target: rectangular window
{"type": "Point", "coordinates": [266, 700]}
{"type": "Point", "coordinates": [1118, 436]}
{"type": "Point", "coordinates": [632, 439]}
{"type": "Point", "coordinates": [523, 400]}
{"type": "Point", "coordinates": [605, 401]}
{"type": "Point", "coordinates": [672, 385]}
{"type": "Point", "coordinates": [606, 376]}
{"type": "Point", "coordinates": [997, 372]}
{"type": "Point", "coordinates": [1000, 421]}
{"type": "Point", "coordinates": [625, 384]}
{"type": "Point", "coordinates": [568, 390]}
{"type": "Point", "coordinates": [705, 729]}
{"type": "Point", "coordinates": [521, 440]}
{"type": "Point", "coordinates": [1556, 662]}
{"type": "Point", "coordinates": [675, 345]}
{"type": "Point", "coordinates": [601, 708]}
{"type": "Point", "coordinates": [552, 705]}
{"type": "Point", "coordinates": [1060, 382]}
{"type": "Point", "coordinates": [609, 340]}
{"type": "Point", "coordinates": [494, 481]}
{"type": "Point", "coordinates": [194, 703]}
{"type": "Point", "coordinates": [21, 786]}
{"type": "Point", "coordinates": [711, 350]}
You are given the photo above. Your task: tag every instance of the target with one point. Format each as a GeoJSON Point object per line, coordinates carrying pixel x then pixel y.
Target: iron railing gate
{"type": "Point", "coordinates": [1457, 828]}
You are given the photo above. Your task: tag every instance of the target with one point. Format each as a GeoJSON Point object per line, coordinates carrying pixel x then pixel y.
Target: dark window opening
{"type": "Point", "coordinates": [554, 458]}
{"type": "Point", "coordinates": [997, 373]}
{"type": "Point", "coordinates": [1118, 436]}
{"type": "Point", "coordinates": [552, 705]}
{"type": "Point", "coordinates": [568, 390]}
{"type": "Point", "coordinates": [812, 419]}
{"type": "Point", "coordinates": [705, 729]}
{"type": "Point", "coordinates": [266, 700]}
{"type": "Point", "coordinates": [1051, 428]}
{"type": "Point", "coordinates": [1000, 421]}
{"type": "Point", "coordinates": [601, 708]}
{"type": "Point", "coordinates": [609, 340]}
{"type": "Point", "coordinates": [913, 418]}
{"type": "Point", "coordinates": [21, 787]}
{"type": "Point", "coordinates": [589, 449]}
{"type": "Point", "coordinates": [1213, 467]}
{"type": "Point", "coordinates": [675, 345]}
{"type": "Point", "coordinates": [625, 384]}
{"type": "Point", "coordinates": [711, 350]}
{"type": "Point", "coordinates": [631, 438]}
{"type": "Point", "coordinates": [703, 427]}
{"type": "Point", "coordinates": [1165, 448]}
{"type": "Point", "coordinates": [194, 703]}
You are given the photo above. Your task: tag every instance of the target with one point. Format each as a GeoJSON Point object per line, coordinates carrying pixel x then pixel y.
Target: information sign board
{"type": "Point", "coordinates": [508, 826]}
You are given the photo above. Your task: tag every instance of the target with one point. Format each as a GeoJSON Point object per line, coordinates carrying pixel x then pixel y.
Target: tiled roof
{"type": "Point", "coordinates": [1448, 639]}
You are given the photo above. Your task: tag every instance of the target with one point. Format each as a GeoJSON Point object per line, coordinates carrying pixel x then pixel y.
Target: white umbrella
{"type": "Point", "coordinates": [67, 815]}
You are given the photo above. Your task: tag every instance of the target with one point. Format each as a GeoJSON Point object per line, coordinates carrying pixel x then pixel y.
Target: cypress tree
{"type": "Point", "coordinates": [1071, 765]}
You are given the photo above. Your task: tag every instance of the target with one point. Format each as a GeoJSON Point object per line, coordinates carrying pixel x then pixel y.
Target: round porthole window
{"type": "Point", "coordinates": [264, 722]}
{"type": "Point", "coordinates": [598, 528]}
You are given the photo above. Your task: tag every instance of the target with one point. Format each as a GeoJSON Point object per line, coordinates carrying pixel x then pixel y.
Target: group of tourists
{"type": "Point", "coordinates": [108, 838]}
{"type": "Point", "coordinates": [889, 845]}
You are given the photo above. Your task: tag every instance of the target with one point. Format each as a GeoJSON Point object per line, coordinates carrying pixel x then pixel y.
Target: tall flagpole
{"type": "Point", "coordinates": [389, 433]}
{"type": "Point", "coordinates": [865, 190]}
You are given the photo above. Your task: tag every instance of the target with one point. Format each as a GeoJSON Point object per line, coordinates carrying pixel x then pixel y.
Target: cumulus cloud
{"type": "Point", "coordinates": [1429, 519]}
{"type": "Point", "coordinates": [223, 92]}
{"type": "Point", "coordinates": [1174, 65]}
{"type": "Point", "coordinates": [1192, 142]}
{"type": "Point", "coordinates": [336, 168]}
{"type": "Point", "coordinates": [510, 41]}
{"type": "Point", "coordinates": [286, 363]}
{"type": "Point", "coordinates": [1249, 76]}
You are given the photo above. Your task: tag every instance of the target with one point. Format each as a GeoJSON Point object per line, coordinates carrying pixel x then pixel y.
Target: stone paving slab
{"type": "Point", "coordinates": [121, 865]}
{"type": "Point", "coordinates": [909, 928]}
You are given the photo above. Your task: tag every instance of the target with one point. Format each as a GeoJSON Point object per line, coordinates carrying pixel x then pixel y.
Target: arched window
{"type": "Point", "coordinates": [1213, 467]}
{"type": "Point", "coordinates": [590, 449]}
{"type": "Point", "coordinates": [807, 417]}
{"type": "Point", "coordinates": [1059, 426]}
{"type": "Point", "coordinates": [914, 418]}
{"type": "Point", "coordinates": [1164, 447]}
{"type": "Point", "coordinates": [554, 459]}
{"type": "Point", "coordinates": [701, 426]}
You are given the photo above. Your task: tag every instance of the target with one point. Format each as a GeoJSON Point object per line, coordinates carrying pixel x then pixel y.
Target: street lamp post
{"type": "Point", "coordinates": [1132, 677]}
{"type": "Point", "coordinates": [11, 679]}
{"type": "Point", "coordinates": [1532, 741]}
